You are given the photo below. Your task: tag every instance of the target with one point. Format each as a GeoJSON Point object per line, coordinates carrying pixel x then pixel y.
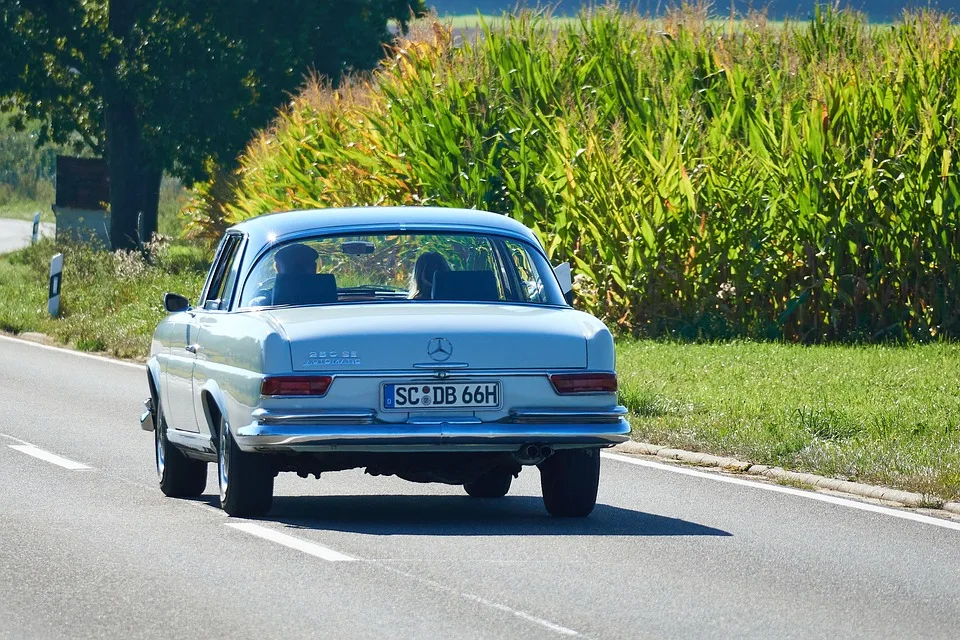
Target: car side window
{"type": "Point", "coordinates": [233, 272]}
{"type": "Point", "coordinates": [221, 272]}
{"type": "Point", "coordinates": [531, 285]}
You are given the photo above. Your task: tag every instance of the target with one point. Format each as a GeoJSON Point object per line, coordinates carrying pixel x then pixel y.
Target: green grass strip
{"type": "Point", "coordinates": [876, 414]}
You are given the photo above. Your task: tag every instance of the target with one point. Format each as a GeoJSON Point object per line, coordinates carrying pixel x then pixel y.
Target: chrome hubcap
{"type": "Point", "coordinates": [223, 461]}
{"type": "Point", "coordinates": [161, 454]}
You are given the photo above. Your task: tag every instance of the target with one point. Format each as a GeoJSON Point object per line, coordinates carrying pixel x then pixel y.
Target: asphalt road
{"type": "Point", "coordinates": [15, 234]}
{"type": "Point", "coordinates": [668, 553]}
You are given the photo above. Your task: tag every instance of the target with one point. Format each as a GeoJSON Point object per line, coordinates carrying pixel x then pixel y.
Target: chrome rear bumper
{"type": "Point", "coordinates": [359, 431]}
{"type": "Point", "coordinates": [147, 418]}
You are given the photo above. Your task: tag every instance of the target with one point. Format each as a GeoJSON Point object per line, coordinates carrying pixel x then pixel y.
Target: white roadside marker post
{"type": "Point", "coordinates": [36, 228]}
{"type": "Point", "coordinates": [53, 294]}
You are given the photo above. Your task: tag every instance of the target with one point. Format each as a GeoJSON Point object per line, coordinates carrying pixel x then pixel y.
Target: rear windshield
{"type": "Point", "coordinates": [423, 267]}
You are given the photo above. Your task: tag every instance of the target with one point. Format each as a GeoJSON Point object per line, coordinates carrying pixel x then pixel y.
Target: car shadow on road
{"type": "Point", "coordinates": [465, 516]}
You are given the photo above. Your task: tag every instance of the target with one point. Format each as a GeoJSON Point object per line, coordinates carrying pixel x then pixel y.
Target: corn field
{"type": "Point", "coordinates": [792, 182]}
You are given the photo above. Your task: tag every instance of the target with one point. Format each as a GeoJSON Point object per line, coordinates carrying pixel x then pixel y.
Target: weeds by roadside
{"type": "Point", "coordinates": [24, 208]}
{"type": "Point", "coordinates": [111, 302]}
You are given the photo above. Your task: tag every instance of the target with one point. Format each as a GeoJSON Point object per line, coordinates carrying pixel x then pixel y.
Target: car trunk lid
{"type": "Point", "coordinates": [401, 337]}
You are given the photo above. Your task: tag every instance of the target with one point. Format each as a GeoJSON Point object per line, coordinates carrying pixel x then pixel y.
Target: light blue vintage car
{"type": "Point", "coordinates": [432, 344]}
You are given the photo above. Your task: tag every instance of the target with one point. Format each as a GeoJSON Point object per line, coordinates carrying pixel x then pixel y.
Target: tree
{"type": "Point", "coordinates": [173, 85]}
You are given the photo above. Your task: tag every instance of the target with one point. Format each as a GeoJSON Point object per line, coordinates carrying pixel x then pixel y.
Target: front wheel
{"type": "Point", "coordinates": [569, 480]}
{"type": "Point", "coordinates": [246, 480]}
{"type": "Point", "coordinates": [492, 484]}
{"type": "Point", "coordinates": [179, 476]}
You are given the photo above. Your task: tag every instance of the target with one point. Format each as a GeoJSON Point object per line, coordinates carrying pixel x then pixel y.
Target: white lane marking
{"type": "Point", "coordinates": [79, 354]}
{"type": "Point", "coordinates": [310, 548]}
{"type": "Point", "coordinates": [556, 628]}
{"type": "Point", "coordinates": [3, 435]}
{"type": "Point", "coordinates": [810, 495]}
{"type": "Point", "coordinates": [52, 458]}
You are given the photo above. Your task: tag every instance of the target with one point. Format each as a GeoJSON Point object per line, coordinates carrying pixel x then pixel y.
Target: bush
{"type": "Point", "coordinates": [791, 182]}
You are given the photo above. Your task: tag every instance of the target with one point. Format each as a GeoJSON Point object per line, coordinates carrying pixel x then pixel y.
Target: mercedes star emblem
{"type": "Point", "coordinates": [439, 349]}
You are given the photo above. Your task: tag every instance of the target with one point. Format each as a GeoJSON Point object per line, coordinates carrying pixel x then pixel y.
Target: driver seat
{"type": "Point", "coordinates": [304, 289]}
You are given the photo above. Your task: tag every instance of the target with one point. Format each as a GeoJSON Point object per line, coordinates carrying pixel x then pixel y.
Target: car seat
{"type": "Point", "coordinates": [300, 289]}
{"type": "Point", "coordinates": [477, 286]}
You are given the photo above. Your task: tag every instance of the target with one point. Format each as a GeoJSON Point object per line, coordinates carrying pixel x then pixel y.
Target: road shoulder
{"type": "Point", "coordinates": [805, 480]}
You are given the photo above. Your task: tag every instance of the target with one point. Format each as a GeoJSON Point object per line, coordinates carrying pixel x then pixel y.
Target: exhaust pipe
{"type": "Point", "coordinates": [532, 454]}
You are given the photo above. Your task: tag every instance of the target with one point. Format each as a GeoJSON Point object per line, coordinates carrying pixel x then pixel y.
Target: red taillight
{"type": "Point", "coordinates": [295, 385]}
{"type": "Point", "coordinates": [567, 383]}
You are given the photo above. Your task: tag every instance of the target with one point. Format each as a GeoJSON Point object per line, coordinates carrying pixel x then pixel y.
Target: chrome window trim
{"type": "Point", "coordinates": [237, 261]}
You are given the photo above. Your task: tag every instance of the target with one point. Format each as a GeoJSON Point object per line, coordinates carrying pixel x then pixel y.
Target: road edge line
{"type": "Point", "coordinates": [904, 498]}
{"type": "Point", "coordinates": [819, 496]}
{"type": "Point", "coordinates": [80, 354]}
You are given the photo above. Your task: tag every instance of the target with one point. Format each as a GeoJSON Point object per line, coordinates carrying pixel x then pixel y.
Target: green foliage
{"type": "Point", "coordinates": [173, 199]}
{"type": "Point", "coordinates": [110, 302]}
{"type": "Point", "coordinates": [202, 75]}
{"type": "Point", "coordinates": [26, 169]}
{"type": "Point", "coordinates": [873, 414]}
{"type": "Point", "coordinates": [796, 182]}
{"type": "Point", "coordinates": [173, 85]}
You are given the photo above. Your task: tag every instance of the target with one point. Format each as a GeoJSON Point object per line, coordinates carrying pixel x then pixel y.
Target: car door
{"type": "Point", "coordinates": [212, 321]}
{"type": "Point", "coordinates": [185, 343]}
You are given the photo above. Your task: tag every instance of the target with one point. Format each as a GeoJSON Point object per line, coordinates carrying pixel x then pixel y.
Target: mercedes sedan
{"type": "Point", "coordinates": [437, 345]}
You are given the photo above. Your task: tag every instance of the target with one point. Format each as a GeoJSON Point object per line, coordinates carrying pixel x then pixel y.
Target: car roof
{"type": "Point", "coordinates": [275, 227]}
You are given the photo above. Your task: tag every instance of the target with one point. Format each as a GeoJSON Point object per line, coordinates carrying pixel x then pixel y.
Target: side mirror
{"type": "Point", "coordinates": [565, 278]}
{"type": "Point", "coordinates": [175, 303]}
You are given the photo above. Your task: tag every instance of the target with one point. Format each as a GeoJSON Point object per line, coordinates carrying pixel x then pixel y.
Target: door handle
{"type": "Point", "coordinates": [192, 348]}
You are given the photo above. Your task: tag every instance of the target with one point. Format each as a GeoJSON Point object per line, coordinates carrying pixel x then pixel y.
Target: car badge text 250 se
{"type": "Point", "coordinates": [327, 358]}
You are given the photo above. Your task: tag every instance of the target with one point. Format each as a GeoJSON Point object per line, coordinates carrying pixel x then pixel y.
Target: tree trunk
{"type": "Point", "coordinates": [123, 158]}
{"type": "Point", "coordinates": [134, 182]}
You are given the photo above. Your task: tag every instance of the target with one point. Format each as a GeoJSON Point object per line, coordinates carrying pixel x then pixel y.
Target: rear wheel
{"type": "Point", "coordinates": [569, 480]}
{"type": "Point", "coordinates": [493, 484]}
{"type": "Point", "coordinates": [246, 479]}
{"type": "Point", "coordinates": [179, 476]}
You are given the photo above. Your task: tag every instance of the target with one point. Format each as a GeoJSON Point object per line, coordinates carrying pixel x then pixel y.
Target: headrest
{"type": "Point", "coordinates": [479, 286]}
{"type": "Point", "coordinates": [298, 258]}
{"type": "Point", "coordinates": [308, 288]}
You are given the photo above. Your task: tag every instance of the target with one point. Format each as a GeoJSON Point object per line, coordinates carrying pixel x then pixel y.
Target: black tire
{"type": "Point", "coordinates": [569, 480]}
{"type": "Point", "coordinates": [246, 479]}
{"type": "Point", "coordinates": [493, 484]}
{"type": "Point", "coordinates": [178, 475]}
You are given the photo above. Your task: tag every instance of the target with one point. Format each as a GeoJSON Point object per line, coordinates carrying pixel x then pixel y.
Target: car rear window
{"type": "Point", "coordinates": [395, 267]}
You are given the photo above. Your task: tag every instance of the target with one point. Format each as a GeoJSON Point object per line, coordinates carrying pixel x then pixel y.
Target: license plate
{"type": "Point", "coordinates": [447, 395]}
